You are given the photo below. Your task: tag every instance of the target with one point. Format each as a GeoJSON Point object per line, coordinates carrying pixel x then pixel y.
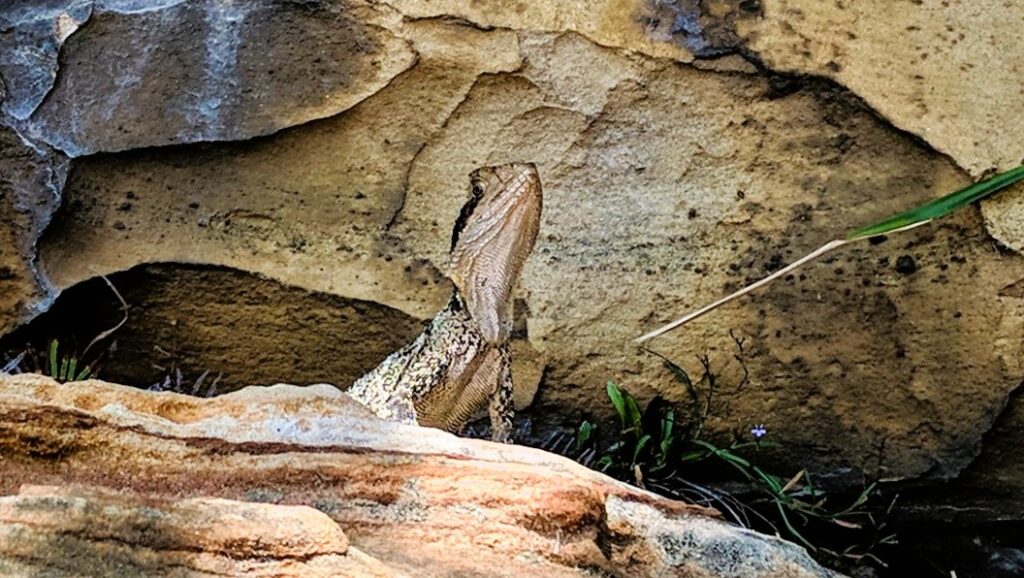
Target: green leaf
{"type": "Point", "coordinates": [633, 410]}
{"type": "Point", "coordinates": [667, 437]}
{"type": "Point", "coordinates": [72, 367]}
{"type": "Point", "coordinates": [583, 435]}
{"type": "Point", "coordinates": [678, 373]}
{"type": "Point", "coordinates": [941, 206]}
{"type": "Point", "coordinates": [615, 394]}
{"type": "Point", "coordinates": [771, 481]}
{"type": "Point", "coordinates": [792, 530]}
{"type": "Point", "coordinates": [693, 457]}
{"type": "Point", "coordinates": [640, 447]}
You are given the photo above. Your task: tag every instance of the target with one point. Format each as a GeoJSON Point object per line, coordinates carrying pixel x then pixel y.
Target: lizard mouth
{"type": "Point", "coordinates": [477, 192]}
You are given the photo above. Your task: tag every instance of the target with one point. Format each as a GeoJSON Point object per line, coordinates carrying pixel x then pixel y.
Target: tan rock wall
{"type": "Point", "coordinates": [667, 184]}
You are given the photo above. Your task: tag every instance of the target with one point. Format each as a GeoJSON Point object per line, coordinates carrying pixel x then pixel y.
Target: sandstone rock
{"type": "Point", "coordinates": [625, 24]}
{"type": "Point", "coordinates": [666, 186]}
{"type": "Point", "coordinates": [948, 72]}
{"type": "Point", "coordinates": [72, 531]}
{"type": "Point", "coordinates": [147, 74]}
{"type": "Point", "coordinates": [419, 500]}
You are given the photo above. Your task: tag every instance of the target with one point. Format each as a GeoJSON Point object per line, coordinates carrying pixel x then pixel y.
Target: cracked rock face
{"type": "Point", "coordinates": [670, 178]}
{"type": "Point", "coordinates": [31, 178]}
{"type": "Point", "coordinates": [393, 500]}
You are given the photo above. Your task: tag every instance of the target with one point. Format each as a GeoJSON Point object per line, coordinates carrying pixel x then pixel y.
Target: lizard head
{"type": "Point", "coordinates": [493, 236]}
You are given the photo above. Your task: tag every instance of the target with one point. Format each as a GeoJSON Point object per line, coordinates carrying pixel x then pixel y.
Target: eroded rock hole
{"type": "Point", "coordinates": [234, 327]}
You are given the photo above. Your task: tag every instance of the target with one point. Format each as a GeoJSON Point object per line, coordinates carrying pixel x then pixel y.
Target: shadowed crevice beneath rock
{"type": "Point", "coordinates": [241, 326]}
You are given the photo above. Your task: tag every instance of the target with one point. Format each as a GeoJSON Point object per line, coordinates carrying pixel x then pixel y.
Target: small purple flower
{"type": "Point", "coordinates": [759, 431]}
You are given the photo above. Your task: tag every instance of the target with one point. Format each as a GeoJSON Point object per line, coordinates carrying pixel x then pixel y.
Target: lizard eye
{"type": "Point", "coordinates": [467, 211]}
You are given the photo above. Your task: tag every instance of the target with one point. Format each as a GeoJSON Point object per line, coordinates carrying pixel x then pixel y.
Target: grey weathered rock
{"type": "Point", "coordinates": [30, 47]}
{"type": "Point", "coordinates": [139, 74]}
{"type": "Point", "coordinates": [31, 179]}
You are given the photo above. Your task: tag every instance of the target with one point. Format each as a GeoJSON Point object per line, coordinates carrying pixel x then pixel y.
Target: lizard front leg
{"type": "Point", "coordinates": [389, 389]}
{"type": "Point", "coordinates": [501, 407]}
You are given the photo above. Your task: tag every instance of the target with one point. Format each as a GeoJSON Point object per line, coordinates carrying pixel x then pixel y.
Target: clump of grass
{"type": "Point", "coordinates": [56, 362]}
{"type": "Point", "coordinates": [61, 365]}
{"type": "Point", "coordinates": [65, 368]}
{"type": "Point", "coordinates": [657, 447]}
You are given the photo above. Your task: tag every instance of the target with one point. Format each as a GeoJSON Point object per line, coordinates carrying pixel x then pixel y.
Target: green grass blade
{"type": "Point", "coordinates": [583, 434]}
{"type": "Point", "coordinates": [53, 359]}
{"type": "Point", "coordinates": [633, 411]}
{"type": "Point", "coordinates": [615, 394]}
{"type": "Point", "coordinates": [901, 222]}
{"type": "Point", "coordinates": [941, 206]}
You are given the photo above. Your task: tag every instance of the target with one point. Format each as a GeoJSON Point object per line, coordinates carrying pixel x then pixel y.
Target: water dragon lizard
{"type": "Point", "coordinates": [461, 361]}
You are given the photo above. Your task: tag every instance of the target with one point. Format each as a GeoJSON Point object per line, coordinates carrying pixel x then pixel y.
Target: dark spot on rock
{"type": "Point", "coordinates": [751, 6]}
{"type": "Point", "coordinates": [905, 265]}
{"type": "Point", "coordinates": [878, 239]}
{"type": "Point", "coordinates": [781, 86]}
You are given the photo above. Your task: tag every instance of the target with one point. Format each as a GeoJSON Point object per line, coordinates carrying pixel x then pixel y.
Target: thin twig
{"type": "Point", "coordinates": [12, 365]}
{"type": "Point", "coordinates": [816, 254]}
{"type": "Point", "coordinates": [112, 330]}
{"type": "Point", "coordinates": [820, 251]}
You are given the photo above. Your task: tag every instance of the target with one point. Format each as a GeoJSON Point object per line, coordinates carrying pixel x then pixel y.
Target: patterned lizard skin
{"type": "Point", "coordinates": [461, 361]}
